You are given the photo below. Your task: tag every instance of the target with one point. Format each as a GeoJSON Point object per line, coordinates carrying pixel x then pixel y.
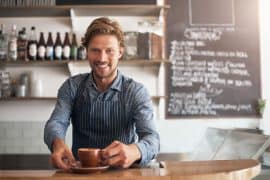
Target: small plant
{"type": "Point", "coordinates": [261, 106]}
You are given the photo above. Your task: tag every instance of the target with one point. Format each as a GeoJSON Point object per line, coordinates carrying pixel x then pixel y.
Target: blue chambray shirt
{"type": "Point", "coordinates": [123, 112]}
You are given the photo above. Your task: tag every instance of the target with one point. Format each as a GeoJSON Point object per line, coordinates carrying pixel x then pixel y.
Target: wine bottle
{"type": "Point", "coordinates": [74, 48]}
{"type": "Point", "coordinates": [50, 48]}
{"type": "Point", "coordinates": [32, 45]}
{"type": "Point", "coordinates": [58, 49]}
{"type": "Point", "coordinates": [66, 47]}
{"type": "Point", "coordinates": [41, 47]}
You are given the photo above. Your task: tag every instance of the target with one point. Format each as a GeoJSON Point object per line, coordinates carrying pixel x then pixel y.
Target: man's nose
{"type": "Point", "coordinates": [103, 56]}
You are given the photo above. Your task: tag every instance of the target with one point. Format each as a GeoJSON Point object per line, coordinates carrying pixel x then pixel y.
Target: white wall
{"type": "Point", "coordinates": [176, 135]}
{"type": "Point", "coordinates": [265, 61]}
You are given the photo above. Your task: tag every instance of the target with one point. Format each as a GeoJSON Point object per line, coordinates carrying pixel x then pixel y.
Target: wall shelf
{"type": "Point", "coordinates": [135, 62]}
{"type": "Point", "coordinates": [141, 62]}
{"type": "Point", "coordinates": [74, 12]}
{"type": "Point", "coordinates": [158, 97]}
{"type": "Point", "coordinates": [34, 63]}
{"type": "Point", "coordinates": [52, 98]}
{"type": "Point", "coordinates": [26, 98]}
{"type": "Point", "coordinates": [83, 10]}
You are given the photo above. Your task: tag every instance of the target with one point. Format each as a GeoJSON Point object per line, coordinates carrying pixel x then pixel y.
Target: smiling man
{"type": "Point", "coordinates": [107, 109]}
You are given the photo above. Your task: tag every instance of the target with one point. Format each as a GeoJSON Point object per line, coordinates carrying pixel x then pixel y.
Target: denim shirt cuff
{"type": "Point", "coordinates": [144, 159]}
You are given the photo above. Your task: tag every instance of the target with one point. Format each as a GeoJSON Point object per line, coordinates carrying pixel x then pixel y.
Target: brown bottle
{"type": "Point", "coordinates": [66, 47]}
{"type": "Point", "coordinates": [50, 48]}
{"type": "Point", "coordinates": [58, 49]}
{"type": "Point", "coordinates": [81, 52]}
{"type": "Point", "coordinates": [74, 48]}
{"type": "Point", "coordinates": [22, 45]}
{"type": "Point", "coordinates": [41, 47]}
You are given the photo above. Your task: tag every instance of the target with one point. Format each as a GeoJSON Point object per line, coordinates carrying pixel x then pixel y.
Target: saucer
{"type": "Point", "coordinates": [85, 170]}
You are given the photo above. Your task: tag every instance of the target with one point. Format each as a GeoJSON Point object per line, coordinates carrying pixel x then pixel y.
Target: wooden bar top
{"type": "Point", "coordinates": [173, 170]}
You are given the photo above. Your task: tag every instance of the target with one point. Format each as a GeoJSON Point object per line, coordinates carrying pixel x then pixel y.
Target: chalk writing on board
{"type": "Point", "coordinates": [211, 74]}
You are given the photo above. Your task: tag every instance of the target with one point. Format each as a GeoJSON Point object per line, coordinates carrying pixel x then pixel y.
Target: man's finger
{"type": "Point", "coordinates": [112, 145]}
{"type": "Point", "coordinates": [71, 159]}
{"type": "Point", "coordinates": [59, 162]}
{"type": "Point", "coordinates": [114, 161]}
{"type": "Point", "coordinates": [111, 150]}
{"type": "Point", "coordinates": [63, 164]}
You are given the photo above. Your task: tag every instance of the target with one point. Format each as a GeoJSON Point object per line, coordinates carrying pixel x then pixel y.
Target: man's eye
{"type": "Point", "coordinates": [109, 51]}
{"type": "Point", "coordinates": [94, 50]}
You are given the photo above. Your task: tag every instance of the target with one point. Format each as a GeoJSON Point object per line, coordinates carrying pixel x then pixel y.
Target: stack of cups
{"type": "Point", "coordinates": [22, 89]}
{"type": "Point", "coordinates": [36, 90]}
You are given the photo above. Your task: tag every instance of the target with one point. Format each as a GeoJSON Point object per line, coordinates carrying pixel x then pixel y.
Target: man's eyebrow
{"type": "Point", "coordinates": [93, 48]}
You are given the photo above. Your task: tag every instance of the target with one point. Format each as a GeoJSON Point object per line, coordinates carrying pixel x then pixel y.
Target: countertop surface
{"type": "Point", "coordinates": [188, 170]}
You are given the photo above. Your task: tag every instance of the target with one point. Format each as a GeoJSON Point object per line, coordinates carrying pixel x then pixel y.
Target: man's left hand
{"type": "Point", "coordinates": [118, 154]}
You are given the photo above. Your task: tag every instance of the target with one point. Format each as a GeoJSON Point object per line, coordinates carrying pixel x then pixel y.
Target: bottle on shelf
{"type": "Point", "coordinates": [58, 50]}
{"type": "Point", "coordinates": [74, 48]}
{"type": "Point", "coordinates": [32, 45]}
{"type": "Point", "coordinates": [22, 45]}
{"type": "Point", "coordinates": [5, 81]}
{"type": "Point", "coordinates": [41, 47]}
{"type": "Point", "coordinates": [12, 44]}
{"type": "Point", "coordinates": [3, 44]}
{"type": "Point", "coordinates": [81, 52]}
{"type": "Point", "coordinates": [66, 47]}
{"type": "Point", "coordinates": [49, 48]}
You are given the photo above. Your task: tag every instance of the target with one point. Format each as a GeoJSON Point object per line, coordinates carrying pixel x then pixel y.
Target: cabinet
{"type": "Point", "coordinates": [74, 13]}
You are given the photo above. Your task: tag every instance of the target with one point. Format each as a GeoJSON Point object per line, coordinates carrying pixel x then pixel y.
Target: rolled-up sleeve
{"type": "Point", "coordinates": [59, 120]}
{"type": "Point", "coordinates": [149, 141]}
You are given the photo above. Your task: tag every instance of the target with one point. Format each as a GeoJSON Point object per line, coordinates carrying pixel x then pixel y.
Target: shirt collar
{"type": "Point", "coordinates": [116, 85]}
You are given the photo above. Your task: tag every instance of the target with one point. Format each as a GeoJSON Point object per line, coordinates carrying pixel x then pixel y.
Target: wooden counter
{"type": "Point", "coordinates": [192, 170]}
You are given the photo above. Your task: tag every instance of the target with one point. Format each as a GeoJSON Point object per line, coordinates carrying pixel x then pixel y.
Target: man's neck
{"type": "Point", "coordinates": [104, 83]}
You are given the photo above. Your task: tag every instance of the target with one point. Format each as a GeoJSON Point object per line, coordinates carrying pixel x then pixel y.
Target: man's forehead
{"type": "Point", "coordinates": [104, 41]}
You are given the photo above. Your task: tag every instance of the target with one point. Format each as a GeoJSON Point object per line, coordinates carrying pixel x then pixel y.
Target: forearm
{"type": "Point", "coordinates": [149, 148]}
{"type": "Point", "coordinates": [148, 142]}
{"type": "Point", "coordinates": [53, 131]}
{"type": "Point", "coordinates": [58, 123]}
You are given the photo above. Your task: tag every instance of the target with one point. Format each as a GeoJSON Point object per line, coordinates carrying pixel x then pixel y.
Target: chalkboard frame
{"type": "Point", "coordinates": [167, 79]}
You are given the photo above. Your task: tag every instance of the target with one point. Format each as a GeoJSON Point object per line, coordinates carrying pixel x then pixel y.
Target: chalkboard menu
{"type": "Point", "coordinates": [213, 46]}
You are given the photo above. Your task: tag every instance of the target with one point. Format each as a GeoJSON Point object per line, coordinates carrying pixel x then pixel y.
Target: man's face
{"type": "Point", "coordinates": [103, 55]}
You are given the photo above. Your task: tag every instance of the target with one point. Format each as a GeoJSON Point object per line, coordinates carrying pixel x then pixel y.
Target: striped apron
{"type": "Point", "coordinates": [98, 122]}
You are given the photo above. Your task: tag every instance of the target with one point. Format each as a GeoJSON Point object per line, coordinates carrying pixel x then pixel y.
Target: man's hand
{"type": "Point", "coordinates": [62, 156]}
{"type": "Point", "coordinates": [118, 154]}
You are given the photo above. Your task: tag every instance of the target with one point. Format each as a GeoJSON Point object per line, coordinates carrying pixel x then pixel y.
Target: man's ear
{"type": "Point", "coordinates": [121, 52]}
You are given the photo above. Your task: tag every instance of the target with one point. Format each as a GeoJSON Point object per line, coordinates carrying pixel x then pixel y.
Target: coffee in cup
{"type": "Point", "coordinates": [90, 157]}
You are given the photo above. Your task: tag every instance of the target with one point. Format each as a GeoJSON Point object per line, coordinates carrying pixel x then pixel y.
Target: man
{"type": "Point", "coordinates": [107, 109]}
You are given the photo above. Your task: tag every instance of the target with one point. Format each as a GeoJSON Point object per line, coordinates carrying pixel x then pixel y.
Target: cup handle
{"type": "Point", "coordinates": [101, 158]}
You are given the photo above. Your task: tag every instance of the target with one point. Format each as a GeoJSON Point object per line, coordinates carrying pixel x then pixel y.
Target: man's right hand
{"type": "Point", "coordinates": [62, 156]}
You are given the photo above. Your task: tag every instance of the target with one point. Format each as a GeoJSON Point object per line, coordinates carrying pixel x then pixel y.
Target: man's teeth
{"type": "Point", "coordinates": [102, 65]}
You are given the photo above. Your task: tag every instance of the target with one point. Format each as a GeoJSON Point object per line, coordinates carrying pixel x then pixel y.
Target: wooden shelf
{"type": "Point", "coordinates": [34, 63]}
{"type": "Point", "coordinates": [144, 62]}
{"type": "Point", "coordinates": [82, 62]}
{"type": "Point", "coordinates": [51, 98]}
{"type": "Point", "coordinates": [83, 10]}
{"type": "Point", "coordinates": [158, 97]}
{"type": "Point", "coordinates": [26, 98]}
{"type": "Point", "coordinates": [135, 62]}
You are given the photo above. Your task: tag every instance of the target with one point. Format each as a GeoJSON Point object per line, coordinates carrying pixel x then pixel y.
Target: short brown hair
{"type": "Point", "coordinates": [103, 25]}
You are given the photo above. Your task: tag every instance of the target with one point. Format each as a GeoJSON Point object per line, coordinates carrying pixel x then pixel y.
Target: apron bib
{"type": "Point", "coordinates": [97, 122]}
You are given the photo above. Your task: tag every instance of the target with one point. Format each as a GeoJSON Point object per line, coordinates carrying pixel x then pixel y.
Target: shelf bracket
{"type": "Point", "coordinates": [73, 19]}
